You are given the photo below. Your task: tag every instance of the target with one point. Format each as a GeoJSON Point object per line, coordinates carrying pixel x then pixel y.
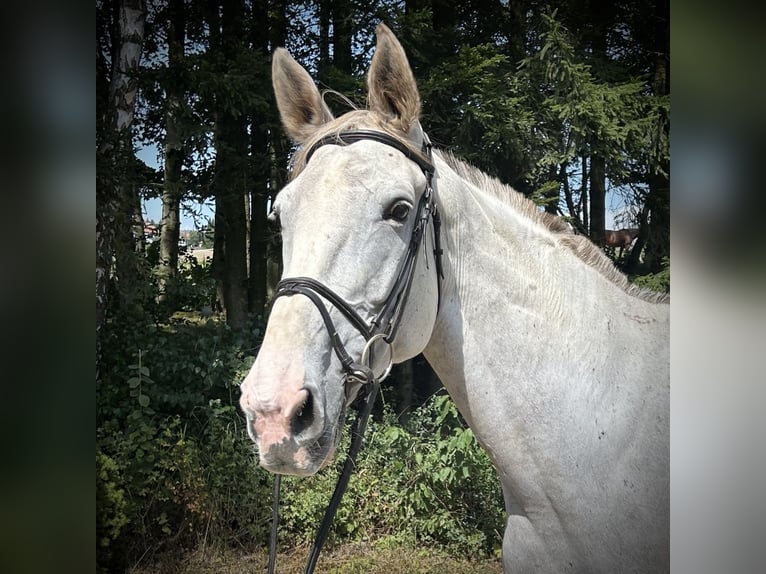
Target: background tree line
{"type": "Point", "coordinates": [562, 100]}
{"type": "Point", "coordinates": [565, 100]}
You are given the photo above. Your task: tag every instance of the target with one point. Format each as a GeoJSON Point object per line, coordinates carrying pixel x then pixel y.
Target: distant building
{"type": "Point", "coordinates": [151, 232]}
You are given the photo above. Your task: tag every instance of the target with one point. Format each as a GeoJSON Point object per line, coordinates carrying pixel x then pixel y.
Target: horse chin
{"type": "Point", "coordinates": [329, 456]}
{"type": "Point", "coordinates": [333, 444]}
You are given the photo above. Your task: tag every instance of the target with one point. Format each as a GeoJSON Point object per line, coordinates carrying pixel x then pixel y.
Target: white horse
{"type": "Point", "coordinates": [559, 366]}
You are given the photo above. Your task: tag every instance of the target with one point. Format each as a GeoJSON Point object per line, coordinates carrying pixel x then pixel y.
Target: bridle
{"type": "Point", "coordinates": [383, 326]}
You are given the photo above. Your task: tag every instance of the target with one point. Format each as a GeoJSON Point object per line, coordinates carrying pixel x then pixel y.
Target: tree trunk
{"type": "Point", "coordinates": [584, 203]}
{"type": "Point", "coordinates": [172, 193]}
{"type": "Point", "coordinates": [342, 24]}
{"type": "Point", "coordinates": [597, 199]}
{"type": "Point", "coordinates": [114, 152]}
{"type": "Point", "coordinates": [219, 255]}
{"type": "Point", "coordinates": [633, 262]}
{"type": "Point", "coordinates": [574, 210]}
{"type": "Point", "coordinates": [279, 147]}
{"type": "Point", "coordinates": [324, 40]}
{"type": "Point", "coordinates": [261, 164]}
{"type": "Point", "coordinates": [212, 15]}
{"type": "Point", "coordinates": [658, 200]}
{"type": "Point", "coordinates": [231, 179]}
{"type": "Point", "coordinates": [131, 279]}
{"type": "Point", "coordinates": [138, 224]}
{"type": "Point", "coordinates": [553, 196]}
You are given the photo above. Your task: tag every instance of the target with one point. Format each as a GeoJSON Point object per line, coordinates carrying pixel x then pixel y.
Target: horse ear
{"type": "Point", "coordinates": [391, 84]}
{"type": "Point", "coordinates": [300, 105]}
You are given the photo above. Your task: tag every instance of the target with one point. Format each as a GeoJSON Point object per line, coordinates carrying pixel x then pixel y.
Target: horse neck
{"type": "Point", "coordinates": [517, 306]}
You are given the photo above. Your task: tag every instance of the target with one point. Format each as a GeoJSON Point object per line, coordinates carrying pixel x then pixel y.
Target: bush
{"type": "Point", "coordinates": [176, 469]}
{"type": "Point", "coordinates": [193, 287]}
{"type": "Point", "coordinates": [426, 483]}
{"type": "Point", "coordinates": [110, 502]}
{"type": "Point", "coordinates": [659, 281]}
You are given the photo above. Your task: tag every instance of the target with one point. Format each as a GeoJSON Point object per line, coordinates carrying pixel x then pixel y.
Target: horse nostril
{"type": "Point", "coordinates": [304, 416]}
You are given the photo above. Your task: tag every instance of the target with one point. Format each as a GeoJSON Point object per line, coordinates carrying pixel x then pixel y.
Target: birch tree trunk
{"type": "Point", "coordinates": [114, 153]}
{"type": "Point", "coordinates": [172, 193]}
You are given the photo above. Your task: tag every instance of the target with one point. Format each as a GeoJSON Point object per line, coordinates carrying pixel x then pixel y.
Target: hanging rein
{"type": "Point", "coordinates": [383, 327]}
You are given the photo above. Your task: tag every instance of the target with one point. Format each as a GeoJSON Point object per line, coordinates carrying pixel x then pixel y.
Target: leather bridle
{"type": "Point", "coordinates": [383, 326]}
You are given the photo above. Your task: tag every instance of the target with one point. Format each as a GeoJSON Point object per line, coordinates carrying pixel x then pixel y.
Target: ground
{"type": "Point", "coordinates": [349, 559]}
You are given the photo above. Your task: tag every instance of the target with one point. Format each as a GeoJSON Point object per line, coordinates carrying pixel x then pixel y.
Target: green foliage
{"type": "Point", "coordinates": [111, 516]}
{"type": "Point", "coordinates": [193, 286]}
{"type": "Point", "coordinates": [175, 467]}
{"type": "Point", "coordinates": [581, 112]}
{"type": "Point", "coordinates": [426, 483]}
{"type": "Point", "coordinates": [471, 107]}
{"type": "Point", "coordinates": [659, 281]}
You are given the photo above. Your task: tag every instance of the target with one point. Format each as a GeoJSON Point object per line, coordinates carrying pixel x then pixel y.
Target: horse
{"type": "Point", "coordinates": [559, 365]}
{"type": "Point", "coordinates": [621, 238]}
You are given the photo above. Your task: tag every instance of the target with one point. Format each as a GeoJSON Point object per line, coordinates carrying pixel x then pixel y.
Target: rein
{"type": "Point", "coordinates": [383, 327]}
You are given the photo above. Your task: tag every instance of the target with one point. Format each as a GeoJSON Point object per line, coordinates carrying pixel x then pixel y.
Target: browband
{"type": "Point", "coordinates": [353, 136]}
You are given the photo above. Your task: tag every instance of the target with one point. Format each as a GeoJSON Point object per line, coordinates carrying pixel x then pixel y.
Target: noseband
{"type": "Point", "coordinates": [383, 326]}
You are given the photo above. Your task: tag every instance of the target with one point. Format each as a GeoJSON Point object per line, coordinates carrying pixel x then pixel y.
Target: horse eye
{"type": "Point", "coordinates": [399, 211]}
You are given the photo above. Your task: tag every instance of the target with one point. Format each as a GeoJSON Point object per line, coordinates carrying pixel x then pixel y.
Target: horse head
{"type": "Point", "coordinates": [349, 217]}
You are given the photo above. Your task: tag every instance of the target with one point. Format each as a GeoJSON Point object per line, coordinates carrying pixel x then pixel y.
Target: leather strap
{"type": "Point", "coordinates": [353, 136]}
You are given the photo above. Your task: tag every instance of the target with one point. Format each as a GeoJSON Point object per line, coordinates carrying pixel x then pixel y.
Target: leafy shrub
{"type": "Point", "coordinates": [193, 286]}
{"type": "Point", "coordinates": [171, 441]}
{"type": "Point", "coordinates": [176, 468]}
{"type": "Point", "coordinates": [110, 501]}
{"type": "Point", "coordinates": [427, 483]}
{"type": "Point", "coordinates": [659, 281]}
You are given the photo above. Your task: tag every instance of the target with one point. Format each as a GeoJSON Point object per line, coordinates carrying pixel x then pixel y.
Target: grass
{"type": "Point", "coordinates": [347, 559]}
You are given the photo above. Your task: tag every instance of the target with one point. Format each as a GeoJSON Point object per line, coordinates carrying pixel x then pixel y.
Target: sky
{"type": "Point", "coordinates": [152, 208]}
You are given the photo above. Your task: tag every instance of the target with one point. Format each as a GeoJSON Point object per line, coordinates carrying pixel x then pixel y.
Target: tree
{"type": "Point", "coordinates": [655, 220]}
{"type": "Point", "coordinates": [122, 33]}
{"type": "Point", "coordinates": [230, 180]}
{"type": "Point", "coordinates": [596, 113]}
{"type": "Point", "coordinates": [174, 152]}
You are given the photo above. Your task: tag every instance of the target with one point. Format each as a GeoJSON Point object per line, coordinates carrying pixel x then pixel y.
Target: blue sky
{"type": "Point", "coordinates": [152, 208]}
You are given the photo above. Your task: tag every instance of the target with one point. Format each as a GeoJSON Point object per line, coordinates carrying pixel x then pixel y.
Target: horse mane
{"type": "Point", "coordinates": [580, 245]}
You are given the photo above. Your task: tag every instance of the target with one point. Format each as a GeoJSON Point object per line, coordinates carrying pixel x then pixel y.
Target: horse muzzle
{"type": "Point", "coordinates": [290, 430]}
